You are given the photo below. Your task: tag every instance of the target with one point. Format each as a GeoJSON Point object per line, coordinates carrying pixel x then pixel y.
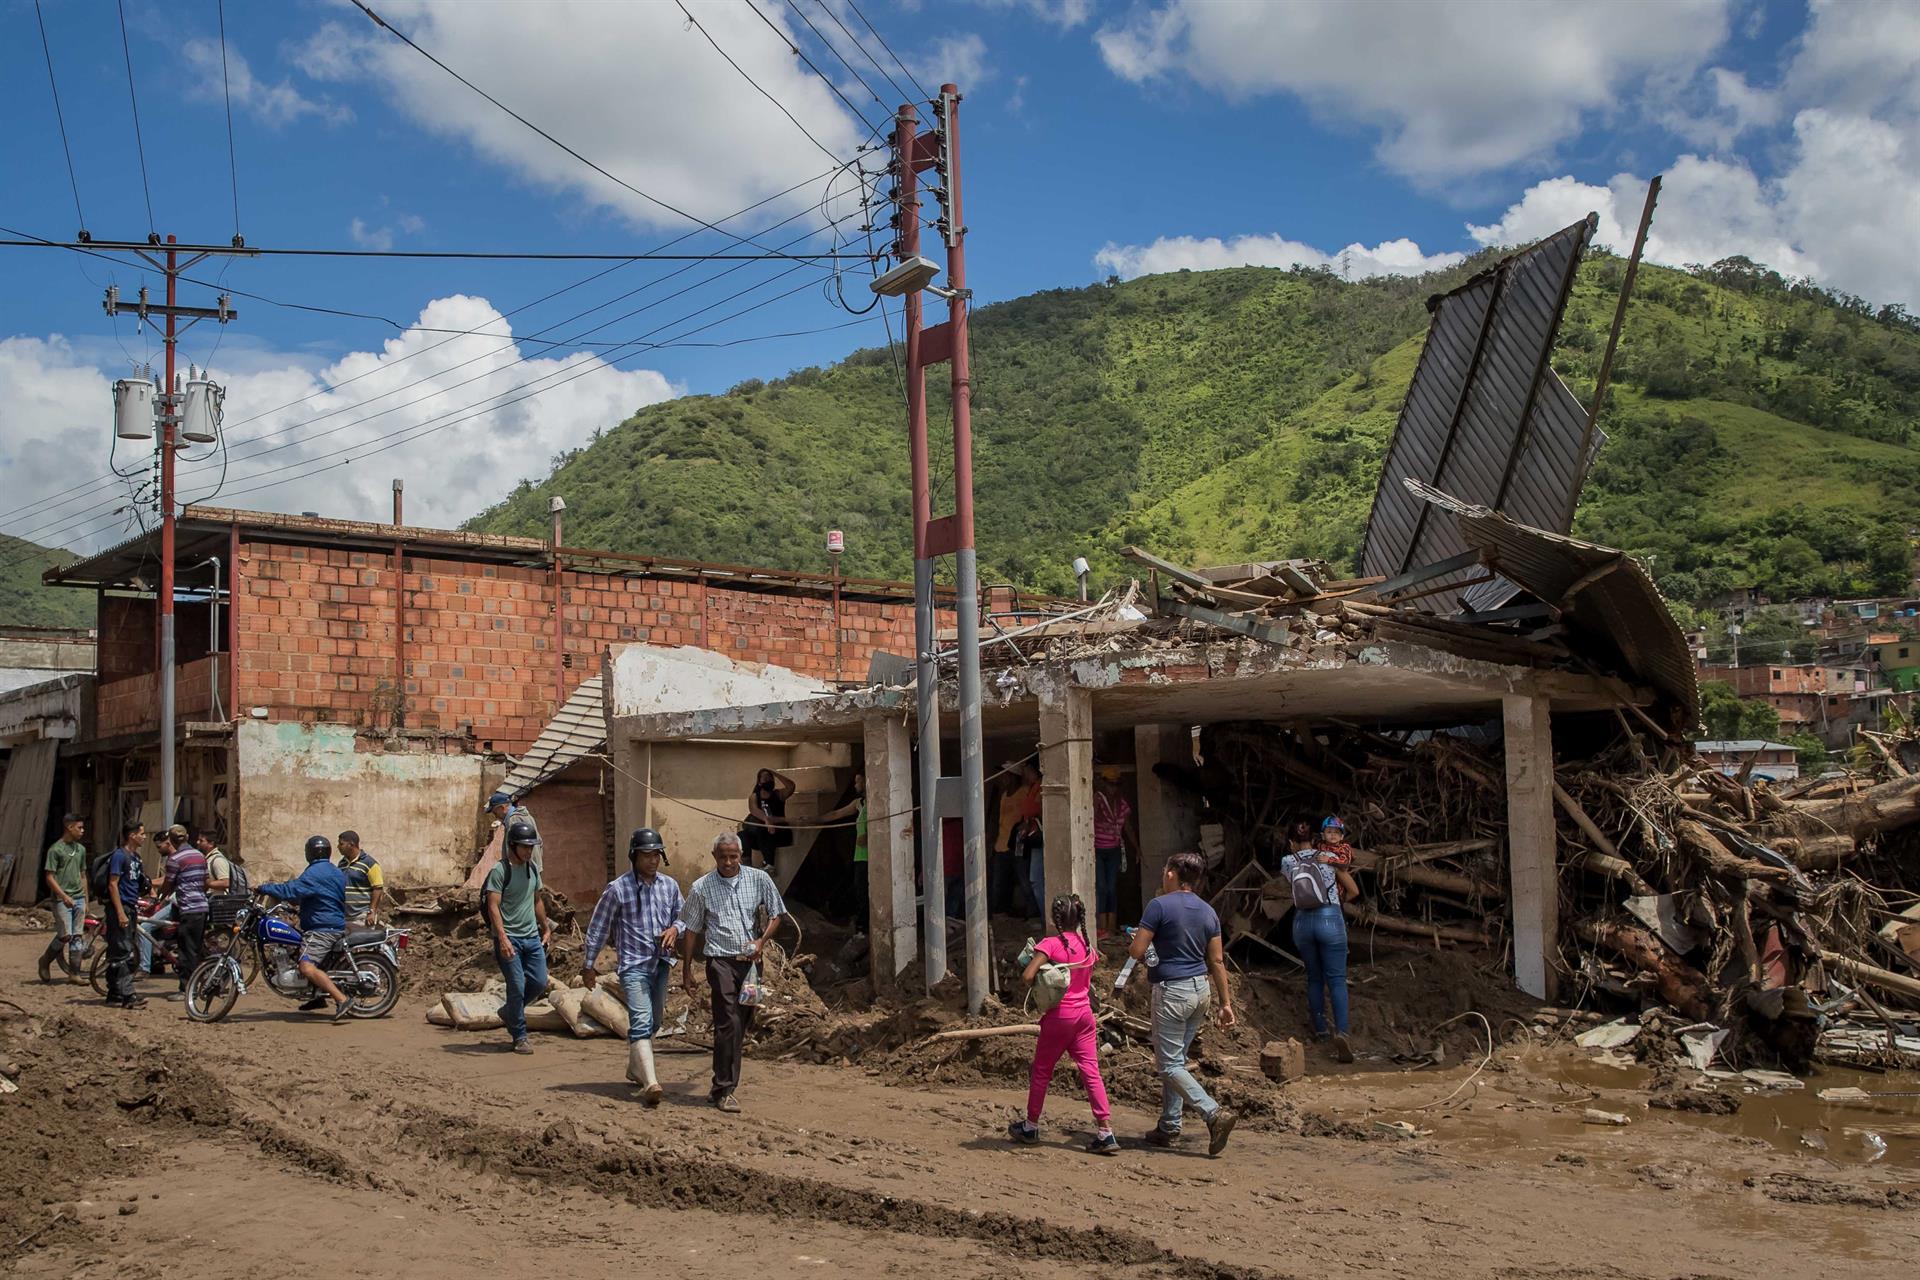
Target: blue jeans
{"type": "Point", "coordinates": [1106, 880]}
{"type": "Point", "coordinates": [1179, 1011]}
{"type": "Point", "coordinates": [646, 991]}
{"type": "Point", "coordinates": [526, 975]}
{"type": "Point", "coordinates": [1320, 936]}
{"type": "Point", "coordinates": [71, 923]}
{"type": "Point", "coordinates": [1037, 879]}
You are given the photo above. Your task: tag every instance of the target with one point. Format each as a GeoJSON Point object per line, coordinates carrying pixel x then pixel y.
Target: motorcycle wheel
{"type": "Point", "coordinates": [248, 957]}
{"type": "Point", "coordinates": [97, 972]}
{"type": "Point", "coordinates": [386, 991]}
{"type": "Point", "coordinates": [211, 990]}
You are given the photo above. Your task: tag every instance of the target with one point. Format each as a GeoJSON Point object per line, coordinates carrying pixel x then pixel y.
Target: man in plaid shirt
{"type": "Point", "coordinates": [641, 910]}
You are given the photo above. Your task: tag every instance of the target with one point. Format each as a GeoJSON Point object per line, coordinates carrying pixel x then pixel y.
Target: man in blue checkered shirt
{"type": "Point", "coordinates": [641, 910]}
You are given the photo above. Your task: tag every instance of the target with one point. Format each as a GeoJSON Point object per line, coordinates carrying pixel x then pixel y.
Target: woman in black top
{"type": "Point", "coordinates": [766, 827]}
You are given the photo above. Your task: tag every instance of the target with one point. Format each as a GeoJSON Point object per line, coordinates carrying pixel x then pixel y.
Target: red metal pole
{"type": "Point", "coordinates": [399, 609]}
{"type": "Point", "coordinates": [170, 411]}
{"type": "Point", "coordinates": [957, 309]}
{"type": "Point", "coordinates": [559, 624]}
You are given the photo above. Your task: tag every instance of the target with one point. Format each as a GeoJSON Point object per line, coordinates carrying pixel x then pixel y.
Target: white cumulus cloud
{"type": "Point", "coordinates": [633, 87]}
{"type": "Point", "coordinates": [1841, 212]}
{"type": "Point", "coordinates": [1455, 87]}
{"type": "Point", "coordinates": [275, 105]}
{"type": "Point", "coordinates": [462, 419]}
{"type": "Point", "coordinates": [1400, 257]}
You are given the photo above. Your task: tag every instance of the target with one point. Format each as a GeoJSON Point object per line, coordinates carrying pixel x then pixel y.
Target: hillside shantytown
{"type": "Point", "coordinates": [1240, 768]}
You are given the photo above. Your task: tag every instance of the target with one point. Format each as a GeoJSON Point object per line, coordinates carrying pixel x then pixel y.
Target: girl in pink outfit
{"type": "Point", "coordinates": [1068, 1027]}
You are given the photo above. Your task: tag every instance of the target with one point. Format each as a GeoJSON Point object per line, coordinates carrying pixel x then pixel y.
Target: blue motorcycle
{"type": "Point", "coordinates": [365, 966]}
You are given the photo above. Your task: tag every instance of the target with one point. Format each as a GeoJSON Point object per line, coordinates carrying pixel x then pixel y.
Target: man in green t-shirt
{"type": "Point", "coordinates": [510, 900]}
{"type": "Point", "coordinates": [65, 872]}
{"type": "Point", "coordinates": [856, 808]}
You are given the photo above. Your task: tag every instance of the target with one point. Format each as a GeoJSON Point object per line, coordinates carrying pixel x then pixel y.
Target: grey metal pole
{"type": "Point", "coordinates": [213, 640]}
{"type": "Point", "coordinates": [927, 763]}
{"type": "Point", "coordinates": [974, 817]}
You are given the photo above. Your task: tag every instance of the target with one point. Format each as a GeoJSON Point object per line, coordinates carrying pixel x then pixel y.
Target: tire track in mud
{"type": "Point", "coordinates": [674, 1181]}
{"type": "Point", "coordinates": [184, 1093]}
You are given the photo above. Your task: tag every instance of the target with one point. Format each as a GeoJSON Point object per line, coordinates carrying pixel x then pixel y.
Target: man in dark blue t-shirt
{"type": "Point", "coordinates": [124, 875]}
{"type": "Point", "coordinates": [1179, 938]}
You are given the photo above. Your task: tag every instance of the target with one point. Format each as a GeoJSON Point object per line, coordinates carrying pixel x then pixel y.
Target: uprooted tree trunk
{"type": "Point", "coordinates": [1883, 808]}
{"type": "Point", "coordinates": [1680, 984]}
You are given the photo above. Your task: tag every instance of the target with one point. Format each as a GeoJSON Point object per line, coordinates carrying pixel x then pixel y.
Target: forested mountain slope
{"type": "Point", "coordinates": [1761, 432]}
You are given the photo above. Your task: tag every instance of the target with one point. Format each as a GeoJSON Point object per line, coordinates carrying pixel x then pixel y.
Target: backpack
{"type": "Point", "coordinates": [98, 881]}
{"type": "Point", "coordinates": [1310, 892]}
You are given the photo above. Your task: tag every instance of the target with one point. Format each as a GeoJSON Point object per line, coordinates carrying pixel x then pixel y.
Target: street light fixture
{"type": "Point", "coordinates": [913, 274]}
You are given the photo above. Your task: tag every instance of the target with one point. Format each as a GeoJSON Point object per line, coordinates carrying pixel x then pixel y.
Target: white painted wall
{"type": "Point", "coordinates": [417, 811]}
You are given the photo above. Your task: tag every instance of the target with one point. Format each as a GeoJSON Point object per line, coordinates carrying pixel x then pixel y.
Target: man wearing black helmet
{"type": "Point", "coordinates": [641, 912]}
{"type": "Point", "coordinates": [321, 892]}
{"type": "Point", "coordinates": [510, 900]}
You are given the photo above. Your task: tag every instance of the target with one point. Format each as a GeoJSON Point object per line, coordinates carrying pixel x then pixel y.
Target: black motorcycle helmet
{"type": "Point", "coordinates": [521, 833]}
{"type": "Point", "coordinates": [319, 849]}
{"type": "Point", "coordinates": [647, 840]}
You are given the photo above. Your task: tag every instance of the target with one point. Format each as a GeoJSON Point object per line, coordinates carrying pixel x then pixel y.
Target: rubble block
{"type": "Point", "coordinates": [1283, 1060]}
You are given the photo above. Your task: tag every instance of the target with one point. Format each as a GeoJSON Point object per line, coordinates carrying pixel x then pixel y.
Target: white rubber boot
{"type": "Point", "coordinates": [640, 1064]}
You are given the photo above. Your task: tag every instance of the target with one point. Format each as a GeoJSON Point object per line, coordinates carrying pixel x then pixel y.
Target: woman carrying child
{"type": "Point", "coordinates": [1068, 1027]}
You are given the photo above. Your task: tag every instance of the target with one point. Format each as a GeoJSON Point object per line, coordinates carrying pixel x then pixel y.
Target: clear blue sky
{"type": "Point", "coordinates": [1098, 138]}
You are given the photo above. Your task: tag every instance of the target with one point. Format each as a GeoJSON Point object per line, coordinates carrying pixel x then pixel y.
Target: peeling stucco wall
{"type": "Point", "coordinates": [416, 807]}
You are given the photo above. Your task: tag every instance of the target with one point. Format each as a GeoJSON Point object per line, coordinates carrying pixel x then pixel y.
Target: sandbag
{"type": "Point", "coordinates": [567, 1002]}
{"type": "Point", "coordinates": [438, 1015]}
{"type": "Point", "coordinates": [472, 1011]}
{"type": "Point", "coordinates": [607, 1009]}
{"type": "Point", "coordinates": [544, 1017]}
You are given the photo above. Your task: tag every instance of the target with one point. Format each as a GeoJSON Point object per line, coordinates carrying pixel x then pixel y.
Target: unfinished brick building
{"type": "Point", "coordinates": [338, 674]}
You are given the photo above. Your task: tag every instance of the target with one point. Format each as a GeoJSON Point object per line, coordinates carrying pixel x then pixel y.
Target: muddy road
{"type": "Point", "coordinates": [379, 1148]}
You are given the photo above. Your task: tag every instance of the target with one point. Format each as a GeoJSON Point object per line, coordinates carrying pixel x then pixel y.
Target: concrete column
{"type": "Point", "coordinates": [893, 931]}
{"type": "Point", "coordinates": [1169, 815]}
{"type": "Point", "coordinates": [1531, 854]}
{"type": "Point", "coordinates": [1066, 791]}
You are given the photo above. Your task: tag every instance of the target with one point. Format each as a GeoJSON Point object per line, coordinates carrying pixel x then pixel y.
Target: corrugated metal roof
{"type": "Point", "coordinates": [1744, 746]}
{"type": "Point", "coordinates": [576, 732]}
{"type": "Point", "coordinates": [1614, 603]}
{"type": "Point", "coordinates": [1485, 416]}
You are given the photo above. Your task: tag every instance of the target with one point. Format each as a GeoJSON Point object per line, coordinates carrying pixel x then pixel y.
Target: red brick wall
{"type": "Point", "coordinates": [317, 636]}
{"type": "Point", "coordinates": [132, 703]}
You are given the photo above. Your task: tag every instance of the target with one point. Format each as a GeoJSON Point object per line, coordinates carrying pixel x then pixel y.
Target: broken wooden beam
{"type": "Point", "coordinates": [1415, 928]}
{"type": "Point", "coordinates": [1885, 979]}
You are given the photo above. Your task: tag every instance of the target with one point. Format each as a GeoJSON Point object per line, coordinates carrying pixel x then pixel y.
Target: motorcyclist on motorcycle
{"type": "Point", "coordinates": [321, 892]}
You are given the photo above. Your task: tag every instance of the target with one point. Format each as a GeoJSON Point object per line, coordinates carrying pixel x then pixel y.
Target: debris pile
{"type": "Point", "coordinates": [1785, 919]}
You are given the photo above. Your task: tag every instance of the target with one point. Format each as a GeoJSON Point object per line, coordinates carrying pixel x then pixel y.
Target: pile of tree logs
{"type": "Point", "coordinates": [1756, 908]}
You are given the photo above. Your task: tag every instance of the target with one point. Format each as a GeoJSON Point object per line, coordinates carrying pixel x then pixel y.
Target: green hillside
{"type": "Point", "coordinates": [1760, 431]}
{"type": "Point", "coordinates": [24, 602]}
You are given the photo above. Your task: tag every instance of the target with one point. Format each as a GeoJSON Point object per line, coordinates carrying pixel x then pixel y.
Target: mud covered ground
{"type": "Point", "coordinates": [390, 1147]}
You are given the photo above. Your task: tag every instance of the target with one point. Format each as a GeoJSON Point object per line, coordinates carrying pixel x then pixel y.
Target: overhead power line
{"type": "Point", "coordinates": [134, 98]}
{"type": "Point", "coordinates": [41, 507]}
{"type": "Point", "coordinates": [27, 241]}
{"type": "Point", "coordinates": [905, 70]}
{"type": "Point", "coordinates": [226, 93]}
{"type": "Point", "coordinates": [611, 356]}
{"type": "Point", "coordinates": [800, 54]}
{"type": "Point", "coordinates": [402, 36]}
{"type": "Point", "coordinates": [853, 71]}
{"type": "Point", "coordinates": [755, 83]}
{"type": "Point", "coordinates": [861, 46]}
{"type": "Point", "coordinates": [60, 117]}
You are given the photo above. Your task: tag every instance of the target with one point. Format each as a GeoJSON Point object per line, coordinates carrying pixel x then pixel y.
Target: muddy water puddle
{"type": "Point", "coordinates": [1541, 1107]}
